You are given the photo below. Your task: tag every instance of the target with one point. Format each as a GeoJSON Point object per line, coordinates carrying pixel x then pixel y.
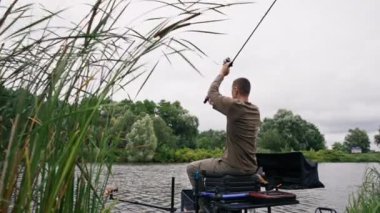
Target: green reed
{"type": "Point", "coordinates": [367, 199]}
{"type": "Point", "coordinates": [56, 146]}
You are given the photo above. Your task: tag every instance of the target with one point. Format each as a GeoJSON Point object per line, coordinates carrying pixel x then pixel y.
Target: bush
{"type": "Point", "coordinates": [339, 156]}
{"type": "Point", "coordinates": [164, 156]}
{"type": "Point", "coordinates": [188, 155]}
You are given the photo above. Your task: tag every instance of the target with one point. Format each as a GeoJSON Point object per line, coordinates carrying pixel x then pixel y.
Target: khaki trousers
{"type": "Point", "coordinates": [212, 166]}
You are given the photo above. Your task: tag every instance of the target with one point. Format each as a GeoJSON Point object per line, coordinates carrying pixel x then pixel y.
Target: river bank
{"type": "Point", "coordinates": [187, 155]}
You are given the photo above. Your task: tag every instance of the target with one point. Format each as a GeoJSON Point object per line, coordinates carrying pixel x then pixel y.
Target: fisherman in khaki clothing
{"type": "Point", "coordinates": [243, 122]}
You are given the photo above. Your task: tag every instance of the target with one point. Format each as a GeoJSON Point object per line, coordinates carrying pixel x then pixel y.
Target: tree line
{"type": "Point", "coordinates": [145, 131]}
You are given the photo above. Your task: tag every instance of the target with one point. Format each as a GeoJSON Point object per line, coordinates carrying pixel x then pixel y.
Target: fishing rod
{"type": "Point", "coordinates": [169, 209]}
{"type": "Point", "coordinates": [245, 43]}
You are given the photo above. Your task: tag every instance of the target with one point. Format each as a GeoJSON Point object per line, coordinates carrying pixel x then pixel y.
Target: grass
{"type": "Point", "coordinates": [62, 76]}
{"type": "Point", "coordinates": [367, 199]}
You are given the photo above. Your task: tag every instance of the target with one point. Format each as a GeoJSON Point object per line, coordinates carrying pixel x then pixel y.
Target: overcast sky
{"type": "Point", "coordinates": [319, 59]}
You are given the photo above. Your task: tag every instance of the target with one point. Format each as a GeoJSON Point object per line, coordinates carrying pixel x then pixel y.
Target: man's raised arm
{"type": "Point", "coordinates": [217, 100]}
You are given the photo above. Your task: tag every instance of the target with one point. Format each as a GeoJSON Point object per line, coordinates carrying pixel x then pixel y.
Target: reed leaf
{"type": "Point", "coordinates": [58, 147]}
{"type": "Point", "coordinates": [367, 199]}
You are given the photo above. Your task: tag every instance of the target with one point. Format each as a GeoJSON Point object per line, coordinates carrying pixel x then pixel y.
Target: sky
{"type": "Point", "coordinates": [319, 59]}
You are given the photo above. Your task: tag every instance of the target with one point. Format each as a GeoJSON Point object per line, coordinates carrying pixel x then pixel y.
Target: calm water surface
{"type": "Point", "coordinates": [152, 184]}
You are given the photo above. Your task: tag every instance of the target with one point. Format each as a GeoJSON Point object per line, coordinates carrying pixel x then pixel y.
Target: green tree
{"type": "Point", "coordinates": [142, 142]}
{"type": "Point", "coordinates": [7, 111]}
{"type": "Point", "coordinates": [12, 102]}
{"type": "Point", "coordinates": [184, 125]}
{"type": "Point", "coordinates": [339, 147]}
{"type": "Point", "coordinates": [377, 138]}
{"type": "Point", "coordinates": [166, 141]}
{"type": "Point", "coordinates": [211, 139]}
{"type": "Point", "coordinates": [271, 140]}
{"type": "Point", "coordinates": [141, 107]}
{"type": "Point", "coordinates": [357, 138]}
{"type": "Point", "coordinates": [287, 131]}
{"type": "Point", "coordinates": [121, 125]}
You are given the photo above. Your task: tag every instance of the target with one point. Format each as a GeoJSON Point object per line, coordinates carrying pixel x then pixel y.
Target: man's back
{"type": "Point", "coordinates": [243, 121]}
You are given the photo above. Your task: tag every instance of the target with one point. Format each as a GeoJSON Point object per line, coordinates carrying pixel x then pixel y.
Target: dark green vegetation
{"type": "Point", "coordinates": [145, 131]}
{"type": "Point", "coordinates": [355, 138]}
{"type": "Point", "coordinates": [187, 155]}
{"type": "Point", "coordinates": [339, 156]}
{"type": "Point", "coordinates": [286, 132]}
{"type": "Point", "coordinates": [56, 77]}
{"type": "Point", "coordinates": [170, 127]}
{"type": "Point", "coordinates": [367, 199]}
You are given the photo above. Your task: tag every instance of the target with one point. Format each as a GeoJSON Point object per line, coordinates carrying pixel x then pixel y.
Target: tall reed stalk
{"type": "Point", "coordinates": [56, 147]}
{"type": "Point", "coordinates": [367, 199]}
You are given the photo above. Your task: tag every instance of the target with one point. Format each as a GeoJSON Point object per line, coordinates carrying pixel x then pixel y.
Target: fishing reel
{"type": "Point", "coordinates": [227, 60]}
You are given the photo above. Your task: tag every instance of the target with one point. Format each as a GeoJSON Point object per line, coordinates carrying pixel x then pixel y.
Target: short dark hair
{"type": "Point", "coordinates": [243, 85]}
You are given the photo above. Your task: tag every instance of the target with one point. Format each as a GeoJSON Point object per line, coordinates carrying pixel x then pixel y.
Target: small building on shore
{"type": "Point", "coordinates": [356, 149]}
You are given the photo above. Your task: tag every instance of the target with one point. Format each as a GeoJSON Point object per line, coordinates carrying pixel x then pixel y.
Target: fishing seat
{"type": "Point", "coordinates": [231, 183]}
{"type": "Point", "coordinates": [234, 193]}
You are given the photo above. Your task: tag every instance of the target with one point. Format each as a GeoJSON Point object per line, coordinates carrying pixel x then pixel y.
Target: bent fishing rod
{"type": "Point", "coordinates": [245, 43]}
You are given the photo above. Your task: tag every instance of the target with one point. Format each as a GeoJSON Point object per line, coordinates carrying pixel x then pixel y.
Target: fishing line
{"type": "Point", "coordinates": [254, 30]}
{"type": "Point", "coordinates": [246, 41]}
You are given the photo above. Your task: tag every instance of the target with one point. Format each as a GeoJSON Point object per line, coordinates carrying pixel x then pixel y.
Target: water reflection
{"type": "Point", "coordinates": [152, 184]}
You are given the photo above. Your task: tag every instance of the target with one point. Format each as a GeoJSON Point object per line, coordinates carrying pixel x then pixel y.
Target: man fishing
{"type": "Point", "coordinates": [243, 122]}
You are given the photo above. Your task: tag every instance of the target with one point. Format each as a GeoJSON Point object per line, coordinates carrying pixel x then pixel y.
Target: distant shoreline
{"type": "Point", "coordinates": [341, 157]}
{"type": "Point", "coordinates": [187, 155]}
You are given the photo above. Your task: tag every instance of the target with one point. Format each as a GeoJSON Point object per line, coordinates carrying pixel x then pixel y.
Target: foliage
{"type": "Point", "coordinates": [62, 75]}
{"type": "Point", "coordinates": [287, 132]}
{"type": "Point", "coordinates": [166, 141]}
{"type": "Point", "coordinates": [357, 138]}
{"type": "Point", "coordinates": [188, 155]}
{"type": "Point", "coordinates": [141, 107]}
{"type": "Point", "coordinates": [120, 126]}
{"type": "Point", "coordinates": [184, 125]}
{"type": "Point", "coordinates": [211, 139]}
{"type": "Point", "coordinates": [179, 125]}
{"type": "Point", "coordinates": [367, 199]}
{"type": "Point", "coordinates": [377, 138]}
{"type": "Point", "coordinates": [141, 141]}
{"type": "Point", "coordinates": [11, 103]}
{"type": "Point", "coordinates": [339, 156]}
{"type": "Point", "coordinates": [272, 140]}
{"type": "Point", "coordinates": [339, 147]}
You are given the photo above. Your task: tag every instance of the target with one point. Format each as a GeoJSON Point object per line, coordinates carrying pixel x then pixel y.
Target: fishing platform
{"type": "Point", "coordinates": [240, 193]}
{"type": "Point", "coordinates": [231, 193]}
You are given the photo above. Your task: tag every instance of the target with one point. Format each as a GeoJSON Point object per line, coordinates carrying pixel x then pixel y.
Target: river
{"type": "Point", "coordinates": [151, 183]}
